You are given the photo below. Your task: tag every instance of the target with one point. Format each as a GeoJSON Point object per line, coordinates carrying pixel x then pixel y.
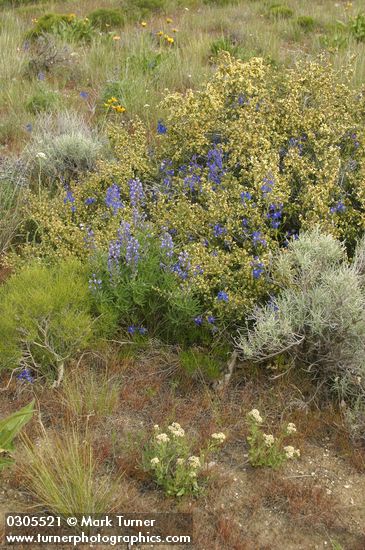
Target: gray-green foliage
{"type": "Point", "coordinates": [44, 317]}
{"type": "Point", "coordinates": [318, 318]}
{"type": "Point", "coordinates": [11, 185]}
{"type": "Point", "coordinates": [62, 146]}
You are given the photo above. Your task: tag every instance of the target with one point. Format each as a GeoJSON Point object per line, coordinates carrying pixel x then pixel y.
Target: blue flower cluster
{"type": "Point", "coordinates": [267, 186]}
{"type": "Point", "coordinates": [338, 207]}
{"type": "Point", "coordinates": [70, 199]}
{"type": "Point", "coordinates": [167, 173]}
{"type": "Point", "coordinates": [219, 230]}
{"type": "Point", "coordinates": [245, 196]}
{"type": "Point", "coordinates": [258, 268]}
{"type": "Point", "coordinates": [25, 376]}
{"type": "Point", "coordinates": [161, 128]}
{"type": "Point", "coordinates": [89, 200]}
{"type": "Point", "coordinates": [258, 239]}
{"type": "Point", "coordinates": [126, 243]}
{"type": "Point", "coordinates": [222, 296]}
{"type": "Point", "coordinates": [275, 214]}
{"type": "Point", "coordinates": [137, 330]}
{"type": "Point", "coordinates": [113, 199]}
{"type": "Point", "coordinates": [215, 166]}
{"type": "Point", "coordinates": [167, 244]}
{"type": "Point", "coordinates": [182, 266]}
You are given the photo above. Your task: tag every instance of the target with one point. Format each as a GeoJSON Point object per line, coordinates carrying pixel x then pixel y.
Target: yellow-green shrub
{"type": "Point", "coordinates": [236, 168]}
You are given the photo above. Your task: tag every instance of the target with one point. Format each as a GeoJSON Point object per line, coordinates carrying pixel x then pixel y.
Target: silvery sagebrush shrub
{"type": "Point", "coordinates": [235, 169]}
{"type": "Point", "coordinates": [62, 146]}
{"type": "Point", "coordinates": [44, 318]}
{"type": "Point", "coordinates": [168, 457]}
{"type": "Point", "coordinates": [317, 320]}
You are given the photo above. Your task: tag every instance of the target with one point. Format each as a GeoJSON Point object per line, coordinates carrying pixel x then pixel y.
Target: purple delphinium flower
{"type": "Point", "coordinates": [258, 239]}
{"type": "Point", "coordinates": [198, 321]}
{"type": "Point", "coordinates": [167, 244]}
{"type": "Point", "coordinates": [258, 268]}
{"type": "Point", "coordinates": [219, 230]}
{"type": "Point", "coordinates": [29, 127]}
{"type": "Point", "coordinates": [161, 128]}
{"type": "Point", "coordinates": [245, 196]}
{"type": "Point", "coordinates": [89, 200]}
{"type": "Point", "coordinates": [84, 95]}
{"type": "Point", "coordinates": [112, 198]}
{"type": "Point", "coordinates": [222, 296]}
{"type": "Point", "coordinates": [41, 76]}
{"type": "Point", "coordinates": [70, 199]}
{"type": "Point", "coordinates": [338, 207]}
{"type": "Point", "coordinates": [136, 192]}
{"type": "Point", "coordinates": [267, 186]}
{"type": "Point", "coordinates": [25, 376]}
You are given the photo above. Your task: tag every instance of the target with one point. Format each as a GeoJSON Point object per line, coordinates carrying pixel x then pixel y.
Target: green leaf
{"type": "Point", "coordinates": [11, 426]}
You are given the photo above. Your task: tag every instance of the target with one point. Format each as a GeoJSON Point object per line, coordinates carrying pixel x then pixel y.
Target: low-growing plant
{"type": "Point", "coordinates": [266, 449]}
{"type": "Point", "coordinates": [62, 147]}
{"type": "Point", "coordinates": [47, 54]}
{"type": "Point", "coordinates": [135, 287]}
{"type": "Point", "coordinates": [43, 99]}
{"type": "Point", "coordinates": [44, 317]}
{"type": "Point", "coordinates": [67, 26]}
{"type": "Point", "coordinates": [63, 475]}
{"type": "Point", "coordinates": [357, 27]}
{"type": "Point", "coordinates": [9, 429]}
{"type": "Point", "coordinates": [315, 321]}
{"type": "Point", "coordinates": [106, 18]}
{"type": "Point", "coordinates": [169, 460]}
{"type": "Point", "coordinates": [11, 192]}
{"type": "Point", "coordinates": [306, 22]}
{"type": "Point", "coordinates": [90, 393]}
{"type": "Point", "coordinates": [199, 363]}
{"type": "Point", "coordinates": [279, 11]}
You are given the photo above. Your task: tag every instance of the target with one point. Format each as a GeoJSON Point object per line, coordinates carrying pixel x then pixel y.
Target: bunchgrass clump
{"type": "Point", "coordinates": [64, 476]}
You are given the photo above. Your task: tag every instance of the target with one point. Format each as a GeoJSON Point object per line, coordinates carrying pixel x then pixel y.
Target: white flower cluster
{"type": "Point", "coordinates": [291, 452]}
{"type": "Point", "coordinates": [255, 415]}
{"type": "Point", "coordinates": [291, 428]}
{"type": "Point", "coordinates": [176, 429]}
{"type": "Point", "coordinates": [155, 461]}
{"type": "Point", "coordinates": [220, 437]}
{"type": "Point", "coordinates": [194, 462]}
{"type": "Point", "coordinates": [162, 438]}
{"type": "Point", "coordinates": [269, 439]}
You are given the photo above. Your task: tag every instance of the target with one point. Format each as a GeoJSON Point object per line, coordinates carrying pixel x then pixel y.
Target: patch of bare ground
{"type": "Point", "coordinates": [314, 502]}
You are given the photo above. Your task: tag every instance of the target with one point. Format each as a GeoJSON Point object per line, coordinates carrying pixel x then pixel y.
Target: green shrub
{"type": "Point", "coordinates": [67, 26]}
{"type": "Point", "coordinates": [135, 288]}
{"type": "Point", "coordinates": [106, 18]}
{"type": "Point", "coordinates": [44, 317]}
{"type": "Point", "coordinates": [9, 429]}
{"type": "Point", "coordinates": [43, 100]}
{"type": "Point", "coordinates": [317, 321]}
{"type": "Point", "coordinates": [306, 22]}
{"type": "Point", "coordinates": [357, 27]}
{"type": "Point", "coordinates": [278, 11]}
{"type": "Point", "coordinates": [234, 170]}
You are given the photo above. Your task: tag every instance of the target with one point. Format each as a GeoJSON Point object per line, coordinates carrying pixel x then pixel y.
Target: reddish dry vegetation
{"type": "Point", "coordinates": [302, 505]}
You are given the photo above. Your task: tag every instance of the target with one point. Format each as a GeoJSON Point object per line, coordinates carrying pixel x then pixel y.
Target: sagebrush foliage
{"type": "Point", "coordinates": [317, 321]}
{"type": "Point", "coordinates": [236, 169]}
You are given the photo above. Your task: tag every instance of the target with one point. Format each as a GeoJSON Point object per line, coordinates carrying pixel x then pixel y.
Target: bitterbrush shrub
{"type": "Point", "coordinates": [44, 318]}
{"type": "Point", "coordinates": [234, 171]}
{"type": "Point", "coordinates": [317, 321]}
